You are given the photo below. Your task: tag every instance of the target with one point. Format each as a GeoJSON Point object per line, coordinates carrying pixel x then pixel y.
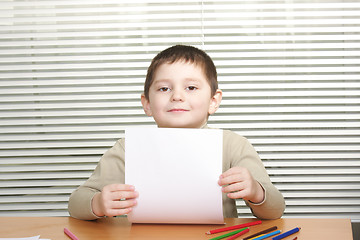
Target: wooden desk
{"type": "Point", "coordinates": [120, 228]}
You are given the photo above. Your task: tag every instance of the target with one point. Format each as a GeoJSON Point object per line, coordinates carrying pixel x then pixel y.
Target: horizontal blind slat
{"type": "Point", "coordinates": [72, 73]}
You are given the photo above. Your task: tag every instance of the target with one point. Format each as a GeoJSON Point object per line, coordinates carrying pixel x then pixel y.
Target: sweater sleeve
{"type": "Point", "coordinates": [110, 169]}
{"type": "Point", "coordinates": [243, 154]}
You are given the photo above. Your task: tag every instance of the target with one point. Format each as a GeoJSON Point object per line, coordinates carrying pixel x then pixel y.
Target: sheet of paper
{"type": "Point", "coordinates": [175, 172]}
{"type": "Point", "coordinates": [26, 238]}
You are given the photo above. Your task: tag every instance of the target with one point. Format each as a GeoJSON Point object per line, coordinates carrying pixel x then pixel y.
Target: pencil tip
{"type": "Point", "coordinates": [208, 233]}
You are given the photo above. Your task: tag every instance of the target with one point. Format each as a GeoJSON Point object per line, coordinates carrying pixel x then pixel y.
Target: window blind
{"type": "Point", "coordinates": [71, 75]}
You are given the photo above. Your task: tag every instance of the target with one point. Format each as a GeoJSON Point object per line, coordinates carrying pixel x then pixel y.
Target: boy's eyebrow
{"type": "Point", "coordinates": [192, 80]}
{"type": "Point", "coordinates": [161, 81]}
{"type": "Point", "coordinates": [186, 79]}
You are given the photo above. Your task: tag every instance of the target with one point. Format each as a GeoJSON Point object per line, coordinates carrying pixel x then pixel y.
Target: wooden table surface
{"type": "Point", "coordinates": [120, 228]}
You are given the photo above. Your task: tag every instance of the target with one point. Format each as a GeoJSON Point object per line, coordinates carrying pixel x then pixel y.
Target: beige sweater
{"type": "Point", "coordinates": [237, 151]}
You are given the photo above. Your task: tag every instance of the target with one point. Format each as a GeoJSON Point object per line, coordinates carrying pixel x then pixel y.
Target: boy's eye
{"type": "Point", "coordinates": [164, 89]}
{"type": "Point", "coordinates": [191, 88]}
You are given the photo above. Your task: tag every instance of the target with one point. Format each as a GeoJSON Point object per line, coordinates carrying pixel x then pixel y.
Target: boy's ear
{"type": "Point", "coordinates": [215, 102]}
{"type": "Point", "coordinates": [146, 105]}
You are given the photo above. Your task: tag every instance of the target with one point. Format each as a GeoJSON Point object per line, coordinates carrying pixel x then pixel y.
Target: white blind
{"type": "Point", "coordinates": [71, 75]}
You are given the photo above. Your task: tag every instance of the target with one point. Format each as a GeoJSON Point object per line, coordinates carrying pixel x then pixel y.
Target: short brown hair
{"type": "Point", "coordinates": [187, 54]}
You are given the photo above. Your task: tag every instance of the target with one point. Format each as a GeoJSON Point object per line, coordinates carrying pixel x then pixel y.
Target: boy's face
{"type": "Point", "coordinates": [180, 96]}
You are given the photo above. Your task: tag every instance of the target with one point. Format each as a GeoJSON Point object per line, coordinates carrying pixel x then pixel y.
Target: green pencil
{"type": "Point", "coordinates": [228, 234]}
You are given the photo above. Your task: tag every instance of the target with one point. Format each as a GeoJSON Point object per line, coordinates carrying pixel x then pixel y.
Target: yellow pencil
{"type": "Point", "coordinates": [256, 236]}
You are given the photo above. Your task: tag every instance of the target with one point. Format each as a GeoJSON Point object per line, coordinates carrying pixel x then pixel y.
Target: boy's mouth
{"type": "Point", "coordinates": [178, 110]}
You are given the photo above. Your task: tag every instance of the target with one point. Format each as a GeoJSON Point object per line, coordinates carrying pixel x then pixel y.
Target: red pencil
{"type": "Point", "coordinates": [238, 234]}
{"type": "Point", "coordinates": [233, 227]}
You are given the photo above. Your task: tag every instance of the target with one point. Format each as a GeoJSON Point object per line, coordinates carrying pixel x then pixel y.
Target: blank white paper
{"type": "Point", "coordinates": [175, 172]}
{"type": "Point", "coordinates": [26, 238]}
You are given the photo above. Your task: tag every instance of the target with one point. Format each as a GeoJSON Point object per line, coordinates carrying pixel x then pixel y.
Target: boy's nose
{"type": "Point", "coordinates": [177, 96]}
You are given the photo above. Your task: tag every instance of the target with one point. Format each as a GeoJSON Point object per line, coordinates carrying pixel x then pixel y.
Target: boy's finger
{"type": "Point", "coordinates": [124, 195]}
{"type": "Point", "coordinates": [124, 204]}
{"type": "Point", "coordinates": [230, 179]}
{"type": "Point", "coordinates": [118, 211]}
{"type": "Point", "coordinates": [120, 187]}
{"type": "Point", "coordinates": [233, 187]}
{"type": "Point", "coordinates": [232, 171]}
{"type": "Point", "coordinates": [237, 195]}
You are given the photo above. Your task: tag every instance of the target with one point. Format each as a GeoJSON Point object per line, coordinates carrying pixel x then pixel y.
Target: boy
{"type": "Point", "coordinates": [181, 91]}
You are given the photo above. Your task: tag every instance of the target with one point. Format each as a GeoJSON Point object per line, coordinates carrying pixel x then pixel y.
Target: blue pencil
{"type": "Point", "coordinates": [288, 233]}
{"type": "Point", "coordinates": [267, 235]}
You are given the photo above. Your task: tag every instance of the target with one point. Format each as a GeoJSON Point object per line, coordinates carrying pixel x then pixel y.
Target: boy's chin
{"type": "Point", "coordinates": [180, 126]}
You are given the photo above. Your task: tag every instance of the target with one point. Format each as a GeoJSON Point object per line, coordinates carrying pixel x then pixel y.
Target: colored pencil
{"type": "Point", "coordinates": [288, 233]}
{"type": "Point", "coordinates": [70, 234]}
{"type": "Point", "coordinates": [261, 232]}
{"type": "Point", "coordinates": [257, 236]}
{"type": "Point", "coordinates": [267, 235]}
{"type": "Point", "coordinates": [228, 234]}
{"type": "Point", "coordinates": [238, 234]}
{"type": "Point", "coordinates": [233, 227]}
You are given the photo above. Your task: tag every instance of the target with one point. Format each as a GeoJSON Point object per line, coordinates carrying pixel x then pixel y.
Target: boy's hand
{"type": "Point", "coordinates": [114, 200]}
{"type": "Point", "coordinates": [238, 182]}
